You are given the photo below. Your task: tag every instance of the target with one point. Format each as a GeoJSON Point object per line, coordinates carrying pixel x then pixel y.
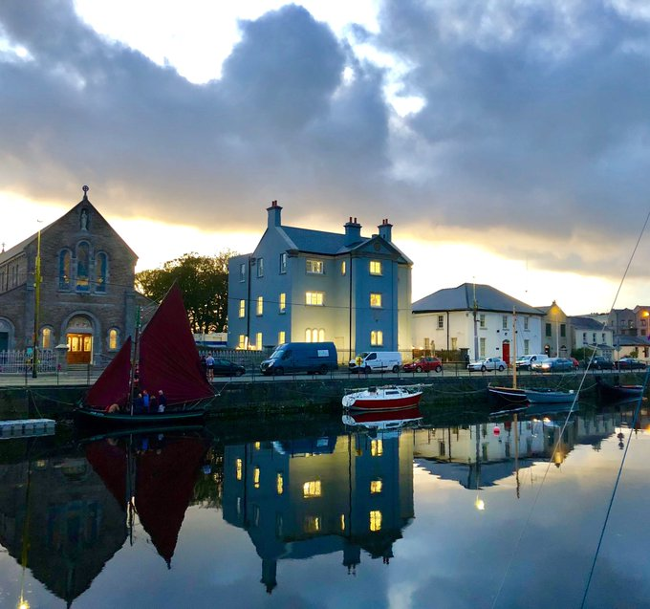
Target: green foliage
{"type": "Point", "coordinates": [204, 283]}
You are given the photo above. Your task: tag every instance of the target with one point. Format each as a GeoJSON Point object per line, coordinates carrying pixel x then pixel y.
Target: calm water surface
{"type": "Point", "coordinates": [461, 512]}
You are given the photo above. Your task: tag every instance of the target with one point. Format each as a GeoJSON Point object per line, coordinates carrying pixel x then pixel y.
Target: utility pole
{"type": "Point", "coordinates": [37, 302]}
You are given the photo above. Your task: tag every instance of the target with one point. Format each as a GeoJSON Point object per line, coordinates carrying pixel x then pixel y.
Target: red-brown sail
{"type": "Point", "coordinates": [169, 359]}
{"type": "Point", "coordinates": [112, 387]}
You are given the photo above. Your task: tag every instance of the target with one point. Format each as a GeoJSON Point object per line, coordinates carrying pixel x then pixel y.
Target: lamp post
{"type": "Point", "coordinates": [37, 302]}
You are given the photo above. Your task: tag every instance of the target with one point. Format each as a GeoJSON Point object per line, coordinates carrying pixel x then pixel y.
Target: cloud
{"type": "Point", "coordinates": [533, 124]}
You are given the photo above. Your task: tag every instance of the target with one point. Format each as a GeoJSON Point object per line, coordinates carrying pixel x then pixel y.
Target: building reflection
{"type": "Point", "coordinates": [309, 497]}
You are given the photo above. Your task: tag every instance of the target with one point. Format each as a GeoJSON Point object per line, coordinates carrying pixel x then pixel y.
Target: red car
{"type": "Point", "coordinates": [424, 364]}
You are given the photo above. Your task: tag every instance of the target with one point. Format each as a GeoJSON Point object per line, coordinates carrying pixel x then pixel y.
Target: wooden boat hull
{"type": "Point", "coordinates": [507, 395]}
{"type": "Point", "coordinates": [98, 418]}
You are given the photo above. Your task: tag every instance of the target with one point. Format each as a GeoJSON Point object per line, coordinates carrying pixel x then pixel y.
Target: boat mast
{"type": "Point", "coordinates": [134, 361]}
{"type": "Point", "coordinates": [514, 348]}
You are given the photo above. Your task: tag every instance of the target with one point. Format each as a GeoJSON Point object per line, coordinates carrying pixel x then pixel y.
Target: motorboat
{"type": "Point", "coordinates": [389, 397]}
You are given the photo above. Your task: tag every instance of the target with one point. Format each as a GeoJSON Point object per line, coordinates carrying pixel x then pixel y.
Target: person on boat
{"type": "Point", "coordinates": [138, 405]}
{"type": "Point", "coordinates": [146, 400]}
{"type": "Point", "coordinates": [162, 401]}
{"type": "Point", "coordinates": [113, 408]}
{"type": "Point", "coordinates": [153, 403]}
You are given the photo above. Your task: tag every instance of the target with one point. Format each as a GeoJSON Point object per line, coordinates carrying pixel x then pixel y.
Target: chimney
{"type": "Point", "coordinates": [385, 229]}
{"type": "Point", "coordinates": [352, 232]}
{"type": "Point", "coordinates": [274, 214]}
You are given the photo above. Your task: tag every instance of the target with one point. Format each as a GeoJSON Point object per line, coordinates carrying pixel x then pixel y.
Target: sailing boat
{"type": "Point", "coordinates": [165, 359]}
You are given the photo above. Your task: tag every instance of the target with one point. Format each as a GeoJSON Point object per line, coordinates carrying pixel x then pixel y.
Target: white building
{"type": "Point", "coordinates": [478, 319]}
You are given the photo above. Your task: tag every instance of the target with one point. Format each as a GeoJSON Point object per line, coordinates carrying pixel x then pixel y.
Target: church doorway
{"type": "Point", "coordinates": [79, 338]}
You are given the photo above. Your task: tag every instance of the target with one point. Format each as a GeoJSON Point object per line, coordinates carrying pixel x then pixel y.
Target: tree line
{"type": "Point", "coordinates": [204, 283]}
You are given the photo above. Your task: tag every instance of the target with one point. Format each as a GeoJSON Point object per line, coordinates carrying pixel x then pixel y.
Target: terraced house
{"type": "Point", "coordinates": [306, 285]}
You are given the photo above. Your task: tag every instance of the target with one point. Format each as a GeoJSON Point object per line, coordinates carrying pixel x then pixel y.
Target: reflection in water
{"type": "Point", "coordinates": [349, 491]}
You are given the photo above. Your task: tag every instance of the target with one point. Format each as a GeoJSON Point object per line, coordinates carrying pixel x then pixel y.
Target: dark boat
{"type": "Point", "coordinates": [166, 359]}
{"type": "Point", "coordinates": [617, 391]}
{"type": "Point", "coordinates": [507, 395]}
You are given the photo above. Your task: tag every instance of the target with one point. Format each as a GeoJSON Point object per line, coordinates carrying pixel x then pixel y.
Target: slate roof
{"type": "Point", "coordinates": [462, 299]}
{"type": "Point", "coordinates": [587, 323]}
{"type": "Point", "coordinates": [631, 341]}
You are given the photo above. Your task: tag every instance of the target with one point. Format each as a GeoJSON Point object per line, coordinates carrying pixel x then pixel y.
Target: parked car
{"type": "Point", "coordinates": [576, 363]}
{"type": "Point", "coordinates": [630, 363]}
{"type": "Point", "coordinates": [526, 361]}
{"type": "Point", "coordinates": [224, 367]}
{"type": "Point", "coordinates": [553, 364]}
{"type": "Point", "coordinates": [601, 363]}
{"type": "Point", "coordinates": [424, 364]}
{"type": "Point", "coordinates": [491, 363]}
{"type": "Point", "coordinates": [376, 361]}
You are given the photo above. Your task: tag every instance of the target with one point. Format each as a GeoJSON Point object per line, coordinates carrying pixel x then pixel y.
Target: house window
{"type": "Point", "coordinates": [375, 300]}
{"type": "Point", "coordinates": [258, 341]}
{"type": "Point", "coordinates": [481, 320]}
{"type": "Point", "coordinates": [548, 329]}
{"type": "Point", "coordinates": [314, 298]}
{"type": "Point", "coordinates": [526, 346]}
{"type": "Point", "coordinates": [454, 343]}
{"type": "Point", "coordinates": [312, 524]}
{"type": "Point", "coordinates": [311, 489]}
{"type": "Point", "coordinates": [260, 305]}
{"type": "Point", "coordinates": [242, 308]}
{"type": "Point", "coordinates": [375, 521]}
{"type": "Point", "coordinates": [242, 341]}
{"type": "Point", "coordinates": [64, 270]}
{"type": "Point", "coordinates": [242, 272]}
{"type": "Point", "coordinates": [112, 339]}
{"type": "Point", "coordinates": [283, 263]}
{"type": "Point", "coordinates": [526, 321]}
{"type": "Point", "coordinates": [603, 339]}
{"type": "Point", "coordinates": [315, 267]}
{"type": "Point", "coordinates": [343, 268]}
{"type": "Point", "coordinates": [593, 338]}
{"type": "Point", "coordinates": [342, 522]}
{"type": "Point", "coordinates": [314, 335]}
{"type": "Point", "coordinates": [239, 469]}
{"type": "Point", "coordinates": [46, 338]}
{"type": "Point", "coordinates": [376, 448]}
{"type": "Point", "coordinates": [260, 267]}
{"type": "Point", "coordinates": [83, 267]}
{"type": "Point", "coordinates": [283, 302]}
{"type": "Point", "coordinates": [282, 337]}
{"type": "Point", "coordinates": [375, 486]}
{"type": "Point", "coordinates": [441, 322]}
{"type": "Point", "coordinates": [563, 330]}
{"type": "Point", "coordinates": [256, 477]}
{"type": "Point", "coordinates": [375, 267]}
{"type": "Point", "coordinates": [481, 347]}
{"type": "Point", "coordinates": [101, 265]}
{"type": "Point", "coordinates": [504, 322]}
{"type": "Point", "coordinates": [376, 338]}
{"type": "Point", "coordinates": [279, 483]}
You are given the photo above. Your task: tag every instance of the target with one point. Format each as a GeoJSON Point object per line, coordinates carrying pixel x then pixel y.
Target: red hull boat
{"type": "Point", "coordinates": [382, 398]}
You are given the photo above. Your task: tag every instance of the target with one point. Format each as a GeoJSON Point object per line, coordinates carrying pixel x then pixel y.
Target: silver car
{"type": "Point", "coordinates": [491, 363]}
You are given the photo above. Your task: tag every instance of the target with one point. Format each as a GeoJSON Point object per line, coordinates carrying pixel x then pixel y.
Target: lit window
{"type": "Point", "coordinates": [315, 267]}
{"type": "Point", "coordinates": [242, 308]}
{"type": "Point", "coordinates": [257, 445]}
{"type": "Point", "coordinates": [279, 483]}
{"type": "Point", "coordinates": [283, 302]}
{"type": "Point", "coordinates": [375, 300]}
{"type": "Point", "coordinates": [46, 338]}
{"type": "Point", "coordinates": [258, 341]}
{"type": "Point", "coordinates": [312, 524]}
{"type": "Point", "coordinates": [260, 305]}
{"type": "Point", "coordinates": [242, 271]}
{"type": "Point", "coordinates": [256, 477]}
{"type": "Point", "coordinates": [112, 339]}
{"type": "Point", "coordinates": [260, 267]}
{"type": "Point", "coordinates": [314, 335]}
{"type": "Point", "coordinates": [282, 337]}
{"type": "Point", "coordinates": [375, 267]}
{"type": "Point", "coordinates": [375, 520]}
{"type": "Point", "coordinates": [311, 489]}
{"type": "Point", "coordinates": [342, 522]}
{"type": "Point", "coordinates": [239, 469]}
{"type": "Point", "coordinates": [375, 486]}
{"type": "Point", "coordinates": [314, 298]}
{"type": "Point", "coordinates": [376, 448]}
{"type": "Point", "coordinates": [343, 268]}
{"type": "Point", "coordinates": [83, 267]}
{"type": "Point", "coordinates": [283, 262]}
{"type": "Point", "coordinates": [376, 338]}
{"type": "Point", "coordinates": [242, 341]}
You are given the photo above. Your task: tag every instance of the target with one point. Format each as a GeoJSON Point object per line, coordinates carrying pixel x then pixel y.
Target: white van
{"type": "Point", "coordinates": [376, 361]}
{"type": "Point", "coordinates": [525, 362]}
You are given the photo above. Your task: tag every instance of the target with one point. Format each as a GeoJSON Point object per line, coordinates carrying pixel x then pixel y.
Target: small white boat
{"type": "Point", "coordinates": [390, 397]}
{"type": "Point", "coordinates": [548, 396]}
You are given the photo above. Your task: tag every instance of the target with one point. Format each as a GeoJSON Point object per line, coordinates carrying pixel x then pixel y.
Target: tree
{"type": "Point", "coordinates": [204, 283]}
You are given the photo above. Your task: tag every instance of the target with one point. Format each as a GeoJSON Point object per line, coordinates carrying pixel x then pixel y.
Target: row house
{"type": "Point", "coordinates": [309, 285]}
{"type": "Point", "coordinates": [477, 320]}
{"type": "Point", "coordinates": [587, 332]}
{"type": "Point", "coordinates": [556, 339]}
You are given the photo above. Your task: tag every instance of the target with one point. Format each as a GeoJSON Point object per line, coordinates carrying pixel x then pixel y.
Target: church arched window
{"type": "Point", "coordinates": [83, 266]}
{"type": "Point", "coordinates": [101, 266]}
{"type": "Point", "coordinates": [64, 269]}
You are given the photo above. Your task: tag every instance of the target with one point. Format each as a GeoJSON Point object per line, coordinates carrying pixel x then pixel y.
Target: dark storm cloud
{"type": "Point", "coordinates": [536, 115]}
{"type": "Point", "coordinates": [279, 124]}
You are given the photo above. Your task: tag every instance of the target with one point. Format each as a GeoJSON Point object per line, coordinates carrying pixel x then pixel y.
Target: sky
{"type": "Point", "coordinates": [507, 141]}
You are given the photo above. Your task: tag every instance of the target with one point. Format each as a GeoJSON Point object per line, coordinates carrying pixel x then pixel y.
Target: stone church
{"type": "Point", "coordinates": [86, 294]}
